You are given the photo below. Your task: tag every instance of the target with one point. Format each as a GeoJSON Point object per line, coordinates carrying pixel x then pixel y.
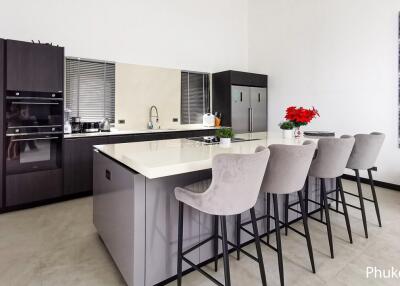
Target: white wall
{"type": "Point", "coordinates": [340, 56]}
{"type": "Point", "coordinates": [204, 35]}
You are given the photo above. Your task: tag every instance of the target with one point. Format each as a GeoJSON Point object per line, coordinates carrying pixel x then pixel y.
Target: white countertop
{"type": "Point", "coordinates": [155, 159]}
{"type": "Point", "coordinates": [130, 132]}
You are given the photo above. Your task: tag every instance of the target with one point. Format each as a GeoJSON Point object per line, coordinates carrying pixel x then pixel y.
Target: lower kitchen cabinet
{"type": "Point", "coordinates": [33, 187]}
{"type": "Point", "coordinates": [78, 164]}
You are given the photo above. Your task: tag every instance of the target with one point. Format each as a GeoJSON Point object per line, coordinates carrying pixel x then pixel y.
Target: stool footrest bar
{"type": "Point", "coordinates": [201, 271]}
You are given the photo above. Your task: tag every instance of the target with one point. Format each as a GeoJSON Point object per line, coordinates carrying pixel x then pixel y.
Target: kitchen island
{"type": "Point", "coordinates": [135, 210]}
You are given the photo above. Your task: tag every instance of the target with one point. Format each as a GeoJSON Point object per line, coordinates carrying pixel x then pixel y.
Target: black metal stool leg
{"type": "Point", "coordinates": [278, 239]}
{"type": "Point", "coordinates": [227, 273]}
{"type": "Point", "coordinates": [321, 201]}
{"type": "Point", "coordinates": [258, 247]}
{"type": "Point", "coordinates": [360, 196]}
{"type": "Point", "coordinates": [346, 214]}
{"type": "Point", "coordinates": [371, 182]}
{"type": "Point", "coordinates": [238, 222]}
{"type": "Point", "coordinates": [306, 231]}
{"type": "Point", "coordinates": [268, 216]}
{"type": "Point", "coordinates": [180, 240]}
{"type": "Point", "coordinates": [286, 213]}
{"type": "Point", "coordinates": [306, 196]}
{"type": "Point", "coordinates": [337, 197]}
{"type": "Point", "coordinates": [328, 221]}
{"type": "Point", "coordinates": [215, 243]}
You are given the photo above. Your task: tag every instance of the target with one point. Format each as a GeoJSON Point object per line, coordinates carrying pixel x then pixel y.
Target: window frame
{"type": "Point", "coordinates": [206, 102]}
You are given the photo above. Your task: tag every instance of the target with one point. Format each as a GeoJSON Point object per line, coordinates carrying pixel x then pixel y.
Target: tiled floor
{"type": "Point", "coordinates": [58, 245]}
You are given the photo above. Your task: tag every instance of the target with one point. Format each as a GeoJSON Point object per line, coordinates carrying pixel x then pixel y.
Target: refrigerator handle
{"type": "Point", "coordinates": [251, 119]}
{"type": "Point", "coordinates": [250, 123]}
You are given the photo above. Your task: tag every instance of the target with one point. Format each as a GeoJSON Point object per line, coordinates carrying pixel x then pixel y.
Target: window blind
{"type": "Point", "coordinates": [195, 97]}
{"type": "Point", "coordinates": [90, 89]}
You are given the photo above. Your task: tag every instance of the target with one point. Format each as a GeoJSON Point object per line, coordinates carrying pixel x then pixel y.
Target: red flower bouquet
{"type": "Point", "coordinates": [300, 116]}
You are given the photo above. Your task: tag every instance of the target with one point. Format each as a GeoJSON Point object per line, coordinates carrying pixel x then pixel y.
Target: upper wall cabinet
{"type": "Point", "coordinates": [34, 67]}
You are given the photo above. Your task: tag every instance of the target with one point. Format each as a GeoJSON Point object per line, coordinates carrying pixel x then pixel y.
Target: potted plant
{"type": "Point", "coordinates": [225, 135]}
{"type": "Point", "coordinates": [300, 116]}
{"type": "Point", "coordinates": [287, 129]}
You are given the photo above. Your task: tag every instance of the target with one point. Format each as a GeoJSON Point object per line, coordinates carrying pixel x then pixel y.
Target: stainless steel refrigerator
{"type": "Point", "coordinates": [249, 109]}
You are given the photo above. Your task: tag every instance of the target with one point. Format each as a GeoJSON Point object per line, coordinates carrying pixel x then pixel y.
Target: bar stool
{"type": "Point", "coordinates": [285, 174]}
{"type": "Point", "coordinates": [363, 157]}
{"type": "Point", "coordinates": [330, 163]}
{"type": "Point", "coordinates": [234, 188]}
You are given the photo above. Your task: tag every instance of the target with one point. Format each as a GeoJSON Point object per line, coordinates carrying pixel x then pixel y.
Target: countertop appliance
{"type": "Point", "coordinates": [242, 98]}
{"type": "Point", "coordinates": [208, 120]}
{"type": "Point", "coordinates": [105, 125]}
{"type": "Point", "coordinates": [67, 123]}
{"type": "Point", "coordinates": [90, 127]}
{"type": "Point", "coordinates": [76, 125]}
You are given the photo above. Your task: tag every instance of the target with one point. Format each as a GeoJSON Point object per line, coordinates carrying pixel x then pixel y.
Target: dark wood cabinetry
{"type": "Point", "coordinates": [31, 82]}
{"type": "Point", "coordinates": [2, 112]}
{"type": "Point", "coordinates": [34, 67]}
{"type": "Point", "coordinates": [33, 187]}
{"type": "Point", "coordinates": [78, 164]}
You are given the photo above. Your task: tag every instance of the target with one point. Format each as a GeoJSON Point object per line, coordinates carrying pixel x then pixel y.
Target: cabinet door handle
{"type": "Point", "coordinates": [108, 175]}
{"type": "Point", "coordinates": [32, 139]}
{"type": "Point", "coordinates": [259, 97]}
{"type": "Point", "coordinates": [241, 96]}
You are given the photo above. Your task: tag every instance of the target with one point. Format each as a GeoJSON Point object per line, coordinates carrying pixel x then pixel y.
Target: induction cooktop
{"type": "Point", "coordinates": [210, 140]}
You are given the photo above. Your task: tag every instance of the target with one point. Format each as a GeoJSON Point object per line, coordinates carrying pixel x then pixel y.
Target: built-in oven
{"type": "Point", "coordinates": [34, 133]}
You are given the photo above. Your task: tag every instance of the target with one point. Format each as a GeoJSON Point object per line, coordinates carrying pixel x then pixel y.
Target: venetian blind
{"type": "Point", "coordinates": [90, 89]}
{"type": "Point", "coordinates": [195, 97]}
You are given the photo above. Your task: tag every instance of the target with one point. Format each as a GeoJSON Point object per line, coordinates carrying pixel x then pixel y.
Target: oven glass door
{"type": "Point", "coordinates": [30, 112]}
{"type": "Point", "coordinates": [33, 153]}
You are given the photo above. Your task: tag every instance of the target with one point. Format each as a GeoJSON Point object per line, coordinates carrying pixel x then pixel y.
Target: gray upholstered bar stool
{"type": "Point", "coordinates": [234, 188]}
{"type": "Point", "coordinates": [286, 173]}
{"type": "Point", "coordinates": [363, 157]}
{"type": "Point", "coordinates": [330, 163]}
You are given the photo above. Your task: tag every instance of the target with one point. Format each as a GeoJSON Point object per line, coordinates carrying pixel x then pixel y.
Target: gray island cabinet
{"type": "Point", "coordinates": [135, 210]}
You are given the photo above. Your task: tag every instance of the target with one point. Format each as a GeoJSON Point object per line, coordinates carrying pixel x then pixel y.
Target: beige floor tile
{"type": "Point", "coordinates": [58, 245]}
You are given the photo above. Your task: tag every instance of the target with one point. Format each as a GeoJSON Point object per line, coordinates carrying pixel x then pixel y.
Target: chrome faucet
{"type": "Point", "coordinates": [150, 125]}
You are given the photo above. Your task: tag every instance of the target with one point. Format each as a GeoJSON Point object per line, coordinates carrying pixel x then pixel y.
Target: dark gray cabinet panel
{"type": "Point", "coordinates": [2, 113]}
{"type": "Point", "coordinates": [34, 67]}
{"type": "Point", "coordinates": [33, 187]}
{"type": "Point", "coordinates": [115, 139]}
{"type": "Point", "coordinates": [78, 164]}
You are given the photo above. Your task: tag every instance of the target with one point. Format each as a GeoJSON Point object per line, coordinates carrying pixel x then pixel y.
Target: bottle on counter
{"type": "Point", "coordinates": [217, 119]}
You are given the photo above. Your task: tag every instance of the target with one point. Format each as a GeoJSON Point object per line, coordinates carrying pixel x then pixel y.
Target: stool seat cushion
{"type": "Point", "coordinates": [191, 194]}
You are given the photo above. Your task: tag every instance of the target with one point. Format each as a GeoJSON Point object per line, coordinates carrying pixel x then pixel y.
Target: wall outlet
{"type": "Point", "coordinates": [175, 119]}
{"type": "Point", "coordinates": [121, 121]}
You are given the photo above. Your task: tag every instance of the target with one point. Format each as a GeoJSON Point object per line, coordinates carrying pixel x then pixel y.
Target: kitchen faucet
{"type": "Point", "coordinates": [150, 125]}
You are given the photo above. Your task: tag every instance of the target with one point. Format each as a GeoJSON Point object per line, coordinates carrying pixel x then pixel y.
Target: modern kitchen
{"type": "Point", "coordinates": [151, 143]}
